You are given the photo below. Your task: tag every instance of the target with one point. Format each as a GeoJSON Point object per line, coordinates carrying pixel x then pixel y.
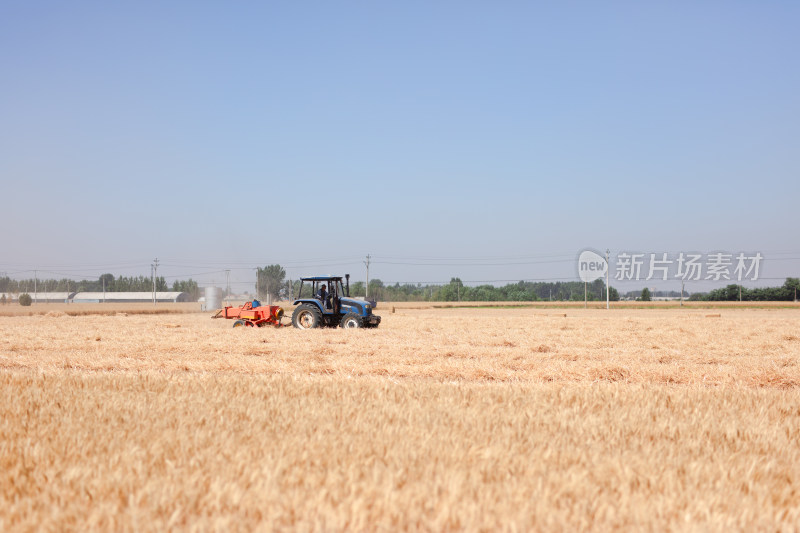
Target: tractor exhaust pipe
{"type": "Point", "coordinates": [347, 277]}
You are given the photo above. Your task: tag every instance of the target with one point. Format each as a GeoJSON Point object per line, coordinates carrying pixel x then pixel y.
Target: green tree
{"type": "Point", "coordinates": [25, 300]}
{"type": "Point", "coordinates": [376, 289]}
{"type": "Point", "coordinates": [451, 292]}
{"type": "Point", "coordinates": [459, 287]}
{"type": "Point", "coordinates": [189, 287]}
{"type": "Point", "coordinates": [107, 281]}
{"type": "Point", "coordinates": [357, 289]}
{"type": "Point", "coordinates": [613, 294]}
{"type": "Point", "coordinates": [270, 281]}
{"type": "Point", "coordinates": [645, 295]}
{"type": "Point", "coordinates": [792, 287]}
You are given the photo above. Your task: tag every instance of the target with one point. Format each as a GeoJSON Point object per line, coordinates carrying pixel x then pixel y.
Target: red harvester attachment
{"type": "Point", "coordinates": [247, 315]}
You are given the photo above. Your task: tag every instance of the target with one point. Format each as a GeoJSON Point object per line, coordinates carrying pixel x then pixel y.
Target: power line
{"type": "Point", "coordinates": [392, 260]}
{"type": "Point", "coordinates": [484, 258]}
{"type": "Point", "coordinates": [194, 274]}
{"type": "Point", "coordinates": [504, 263]}
{"type": "Point", "coordinates": [283, 262]}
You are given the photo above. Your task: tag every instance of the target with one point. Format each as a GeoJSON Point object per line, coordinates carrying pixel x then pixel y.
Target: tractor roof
{"type": "Point", "coordinates": [322, 278]}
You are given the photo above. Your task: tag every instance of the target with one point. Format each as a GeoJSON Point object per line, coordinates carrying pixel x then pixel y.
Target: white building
{"type": "Point", "coordinates": [128, 297]}
{"type": "Point", "coordinates": [39, 297]}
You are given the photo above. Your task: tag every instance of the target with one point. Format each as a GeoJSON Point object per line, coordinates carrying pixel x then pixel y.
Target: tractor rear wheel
{"type": "Point", "coordinates": [351, 320]}
{"type": "Point", "coordinates": [239, 324]}
{"type": "Point", "coordinates": [306, 316]}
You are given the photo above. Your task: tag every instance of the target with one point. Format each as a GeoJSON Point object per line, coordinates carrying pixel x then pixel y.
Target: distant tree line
{"type": "Point", "coordinates": [272, 281]}
{"type": "Point", "coordinates": [523, 291]}
{"type": "Point", "coordinates": [106, 282]}
{"type": "Point", "coordinates": [655, 294]}
{"type": "Point", "coordinates": [786, 292]}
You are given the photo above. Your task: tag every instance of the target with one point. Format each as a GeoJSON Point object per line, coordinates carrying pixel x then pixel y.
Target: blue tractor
{"type": "Point", "coordinates": [330, 305]}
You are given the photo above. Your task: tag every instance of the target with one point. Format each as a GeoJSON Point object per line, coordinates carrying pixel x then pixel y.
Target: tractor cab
{"type": "Point", "coordinates": [334, 290]}
{"type": "Point", "coordinates": [332, 308]}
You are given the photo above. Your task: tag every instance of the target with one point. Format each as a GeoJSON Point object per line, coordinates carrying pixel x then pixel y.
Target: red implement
{"type": "Point", "coordinates": [247, 315]}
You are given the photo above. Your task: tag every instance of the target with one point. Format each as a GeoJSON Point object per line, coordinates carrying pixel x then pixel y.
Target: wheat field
{"type": "Point", "coordinates": [441, 419]}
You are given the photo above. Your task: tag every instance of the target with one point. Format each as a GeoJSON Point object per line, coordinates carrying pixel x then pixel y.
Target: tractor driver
{"type": "Point", "coordinates": [322, 296]}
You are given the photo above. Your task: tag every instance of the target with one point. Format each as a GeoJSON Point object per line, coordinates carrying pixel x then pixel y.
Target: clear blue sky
{"type": "Point", "coordinates": [214, 134]}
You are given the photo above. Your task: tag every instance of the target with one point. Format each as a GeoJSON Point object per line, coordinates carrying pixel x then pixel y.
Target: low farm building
{"type": "Point", "coordinates": [49, 297]}
{"type": "Point", "coordinates": [128, 297]}
{"type": "Point", "coordinates": [39, 297]}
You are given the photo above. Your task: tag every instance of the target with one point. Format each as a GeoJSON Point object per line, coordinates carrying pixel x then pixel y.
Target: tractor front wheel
{"type": "Point", "coordinates": [351, 320]}
{"type": "Point", "coordinates": [239, 324]}
{"type": "Point", "coordinates": [306, 317]}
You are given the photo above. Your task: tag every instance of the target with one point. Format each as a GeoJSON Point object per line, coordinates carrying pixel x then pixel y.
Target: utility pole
{"type": "Point", "coordinates": [258, 284]}
{"type": "Point", "coordinates": [104, 290]}
{"type": "Point", "coordinates": [155, 272]}
{"type": "Point", "coordinates": [608, 288]}
{"type": "Point", "coordinates": [585, 296]}
{"type": "Point", "coordinates": [35, 280]}
{"type": "Point", "coordinates": [366, 294]}
{"type": "Point", "coordinates": [228, 286]}
{"type": "Point", "coordinates": [740, 293]}
{"type": "Point", "coordinates": [683, 283]}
